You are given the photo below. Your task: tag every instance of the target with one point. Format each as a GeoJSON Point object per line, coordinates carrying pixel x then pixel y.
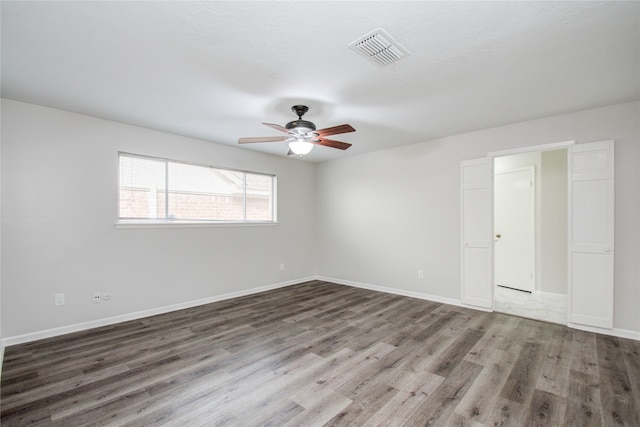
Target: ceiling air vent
{"type": "Point", "coordinates": [379, 47]}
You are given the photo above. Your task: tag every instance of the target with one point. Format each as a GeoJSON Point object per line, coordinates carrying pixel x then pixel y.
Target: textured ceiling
{"type": "Point", "coordinates": [217, 70]}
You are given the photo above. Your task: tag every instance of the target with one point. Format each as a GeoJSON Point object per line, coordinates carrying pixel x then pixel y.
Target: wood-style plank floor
{"type": "Point", "coordinates": [319, 354]}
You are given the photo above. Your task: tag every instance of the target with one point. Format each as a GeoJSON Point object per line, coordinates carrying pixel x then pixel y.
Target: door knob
{"type": "Point", "coordinates": [498, 236]}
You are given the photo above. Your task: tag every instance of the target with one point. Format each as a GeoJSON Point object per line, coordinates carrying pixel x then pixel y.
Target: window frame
{"type": "Point", "coordinates": [168, 222]}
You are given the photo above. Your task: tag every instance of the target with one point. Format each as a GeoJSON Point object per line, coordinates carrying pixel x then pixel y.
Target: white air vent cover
{"type": "Point", "coordinates": [379, 47]}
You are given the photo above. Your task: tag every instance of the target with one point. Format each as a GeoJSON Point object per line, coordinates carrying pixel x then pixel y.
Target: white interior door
{"type": "Point", "coordinates": [514, 228]}
{"type": "Point", "coordinates": [591, 234]}
{"type": "Point", "coordinates": [475, 200]}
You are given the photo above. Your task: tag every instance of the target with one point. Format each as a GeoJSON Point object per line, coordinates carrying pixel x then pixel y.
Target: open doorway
{"type": "Point", "coordinates": [530, 235]}
{"type": "Point", "coordinates": [588, 257]}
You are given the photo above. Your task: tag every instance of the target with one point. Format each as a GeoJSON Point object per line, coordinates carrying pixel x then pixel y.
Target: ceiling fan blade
{"type": "Point", "coordinates": [331, 143]}
{"type": "Point", "coordinates": [334, 130]}
{"type": "Point", "coordinates": [262, 139]}
{"type": "Point", "coordinates": [277, 127]}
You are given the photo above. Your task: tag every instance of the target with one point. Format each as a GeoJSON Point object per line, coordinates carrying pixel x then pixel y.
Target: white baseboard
{"type": "Point", "coordinates": [33, 336]}
{"type": "Point", "coordinates": [394, 291]}
{"type": "Point", "coordinates": [20, 339]}
{"type": "Point", "coordinates": [616, 332]}
{"type": "Point", "coordinates": [1, 358]}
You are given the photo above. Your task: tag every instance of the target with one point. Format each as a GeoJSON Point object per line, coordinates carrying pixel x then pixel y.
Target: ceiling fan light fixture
{"type": "Point", "coordinates": [303, 134]}
{"type": "Point", "coordinates": [300, 147]}
{"type": "Point", "coordinates": [301, 126]}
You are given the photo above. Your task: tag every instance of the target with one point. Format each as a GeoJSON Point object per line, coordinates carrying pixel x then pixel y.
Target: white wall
{"type": "Point", "coordinates": [386, 214]}
{"type": "Point", "coordinates": [374, 219]}
{"type": "Point", "coordinates": [59, 195]}
{"type": "Point", "coordinates": [554, 228]}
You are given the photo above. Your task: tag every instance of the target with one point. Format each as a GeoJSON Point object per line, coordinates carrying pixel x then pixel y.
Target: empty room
{"type": "Point", "coordinates": [320, 213]}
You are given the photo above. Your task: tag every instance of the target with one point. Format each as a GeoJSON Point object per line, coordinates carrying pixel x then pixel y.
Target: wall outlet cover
{"type": "Point", "coordinates": [59, 299]}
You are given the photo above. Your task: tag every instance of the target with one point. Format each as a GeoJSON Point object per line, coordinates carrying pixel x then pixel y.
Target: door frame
{"type": "Point", "coordinates": [530, 149]}
{"type": "Point", "coordinates": [591, 178]}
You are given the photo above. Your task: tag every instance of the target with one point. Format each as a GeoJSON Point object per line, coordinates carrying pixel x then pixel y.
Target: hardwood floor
{"type": "Point", "coordinates": [324, 354]}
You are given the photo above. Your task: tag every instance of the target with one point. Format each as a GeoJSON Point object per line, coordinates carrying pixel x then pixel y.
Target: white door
{"type": "Point", "coordinates": [514, 228]}
{"type": "Point", "coordinates": [475, 224]}
{"type": "Point", "coordinates": [591, 234]}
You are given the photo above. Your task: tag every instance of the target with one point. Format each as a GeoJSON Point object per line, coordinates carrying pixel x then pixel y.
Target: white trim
{"type": "Point", "coordinates": [21, 339]}
{"type": "Point", "coordinates": [569, 230]}
{"type": "Point", "coordinates": [1, 358]}
{"type": "Point", "coordinates": [394, 291]}
{"type": "Point", "coordinates": [191, 224]}
{"type": "Point", "coordinates": [616, 332]}
{"type": "Point", "coordinates": [532, 148]}
{"type": "Point", "coordinates": [33, 336]}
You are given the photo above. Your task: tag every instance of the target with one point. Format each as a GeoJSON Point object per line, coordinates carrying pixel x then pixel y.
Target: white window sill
{"type": "Point", "coordinates": [191, 224]}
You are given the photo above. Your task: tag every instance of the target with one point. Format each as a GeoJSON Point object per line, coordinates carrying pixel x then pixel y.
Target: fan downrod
{"type": "Point", "coordinates": [300, 110]}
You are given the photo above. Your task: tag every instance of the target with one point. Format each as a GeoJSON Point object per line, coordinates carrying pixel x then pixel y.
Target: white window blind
{"type": "Point", "coordinates": [156, 190]}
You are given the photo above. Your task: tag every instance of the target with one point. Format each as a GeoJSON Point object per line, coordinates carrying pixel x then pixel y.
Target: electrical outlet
{"type": "Point", "coordinates": [282, 266]}
{"type": "Point", "coordinates": [420, 274]}
{"type": "Point", "coordinates": [97, 297]}
{"type": "Point", "coordinates": [59, 299]}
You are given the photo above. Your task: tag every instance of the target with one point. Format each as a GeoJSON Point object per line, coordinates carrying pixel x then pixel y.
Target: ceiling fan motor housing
{"type": "Point", "coordinates": [298, 125]}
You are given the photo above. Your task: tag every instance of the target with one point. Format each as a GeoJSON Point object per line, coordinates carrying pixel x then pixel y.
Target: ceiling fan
{"type": "Point", "coordinates": [302, 134]}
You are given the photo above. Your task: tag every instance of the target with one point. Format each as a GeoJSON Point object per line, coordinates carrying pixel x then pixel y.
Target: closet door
{"type": "Point", "coordinates": [475, 230]}
{"type": "Point", "coordinates": [591, 234]}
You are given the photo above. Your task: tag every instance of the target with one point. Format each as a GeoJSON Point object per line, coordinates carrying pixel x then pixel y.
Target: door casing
{"type": "Point", "coordinates": [603, 156]}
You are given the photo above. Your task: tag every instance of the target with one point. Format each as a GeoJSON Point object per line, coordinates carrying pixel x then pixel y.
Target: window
{"type": "Point", "coordinates": [160, 190]}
